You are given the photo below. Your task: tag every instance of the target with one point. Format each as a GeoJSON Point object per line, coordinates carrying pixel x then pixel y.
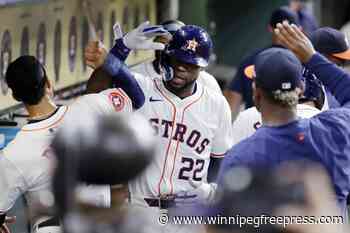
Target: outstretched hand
{"type": "Point", "coordinates": [292, 38]}
{"type": "Point", "coordinates": [141, 38]}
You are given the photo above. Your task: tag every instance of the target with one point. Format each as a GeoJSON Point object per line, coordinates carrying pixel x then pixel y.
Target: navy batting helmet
{"type": "Point", "coordinates": [313, 89]}
{"type": "Point", "coordinates": [191, 44]}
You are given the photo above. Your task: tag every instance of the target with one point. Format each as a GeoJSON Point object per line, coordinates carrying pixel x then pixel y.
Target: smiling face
{"type": "Point", "coordinates": [185, 75]}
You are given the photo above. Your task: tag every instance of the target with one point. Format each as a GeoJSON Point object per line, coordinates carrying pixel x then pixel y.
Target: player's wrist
{"type": "Point", "coordinates": [120, 50]}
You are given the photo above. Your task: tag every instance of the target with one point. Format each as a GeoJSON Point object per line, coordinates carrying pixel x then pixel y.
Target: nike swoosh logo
{"type": "Point", "coordinates": [154, 100]}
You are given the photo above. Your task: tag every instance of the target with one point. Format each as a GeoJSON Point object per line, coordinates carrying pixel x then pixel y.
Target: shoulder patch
{"type": "Point", "coordinates": [117, 99]}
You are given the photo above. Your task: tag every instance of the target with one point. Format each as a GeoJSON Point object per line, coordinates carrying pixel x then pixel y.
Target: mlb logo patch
{"type": "Point", "coordinates": [286, 86]}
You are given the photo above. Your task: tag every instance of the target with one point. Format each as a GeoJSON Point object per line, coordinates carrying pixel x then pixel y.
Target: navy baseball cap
{"type": "Point", "coordinates": [281, 14]}
{"type": "Point", "coordinates": [330, 41]}
{"type": "Point", "coordinates": [276, 69]}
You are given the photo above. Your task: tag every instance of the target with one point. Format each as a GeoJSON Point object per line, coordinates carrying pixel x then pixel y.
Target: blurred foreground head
{"type": "Point", "coordinates": [107, 150]}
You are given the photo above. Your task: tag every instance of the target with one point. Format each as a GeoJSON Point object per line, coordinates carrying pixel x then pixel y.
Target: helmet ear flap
{"type": "Point", "coordinates": [165, 67]}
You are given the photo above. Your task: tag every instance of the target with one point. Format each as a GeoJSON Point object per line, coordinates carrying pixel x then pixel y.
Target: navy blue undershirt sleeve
{"type": "Point", "coordinates": [119, 50]}
{"type": "Point", "coordinates": [335, 79]}
{"type": "Point", "coordinates": [124, 79]}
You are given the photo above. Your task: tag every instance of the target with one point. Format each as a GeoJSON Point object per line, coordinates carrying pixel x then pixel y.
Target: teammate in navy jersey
{"type": "Point", "coordinates": [240, 89]}
{"type": "Point", "coordinates": [283, 137]}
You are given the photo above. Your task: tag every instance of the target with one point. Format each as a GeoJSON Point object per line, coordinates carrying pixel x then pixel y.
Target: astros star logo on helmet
{"type": "Point", "coordinates": [192, 45]}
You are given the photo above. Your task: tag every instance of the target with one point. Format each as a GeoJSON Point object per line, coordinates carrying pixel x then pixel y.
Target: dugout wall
{"type": "Point", "coordinates": [56, 31]}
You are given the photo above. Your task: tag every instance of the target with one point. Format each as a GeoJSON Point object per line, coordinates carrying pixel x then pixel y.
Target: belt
{"type": "Point", "coordinates": [161, 202]}
{"type": "Point", "coordinates": [51, 222]}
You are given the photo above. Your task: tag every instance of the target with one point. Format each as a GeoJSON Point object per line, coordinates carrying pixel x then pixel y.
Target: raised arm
{"type": "Point", "coordinates": [124, 79]}
{"type": "Point", "coordinates": [140, 38]}
{"type": "Point", "coordinates": [334, 78]}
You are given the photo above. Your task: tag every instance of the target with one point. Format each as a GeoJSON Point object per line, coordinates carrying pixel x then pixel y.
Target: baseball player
{"type": "Point", "coordinates": [283, 137]}
{"type": "Point", "coordinates": [239, 90]}
{"type": "Point", "coordinates": [334, 45]}
{"type": "Point", "coordinates": [310, 104]}
{"type": "Point", "coordinates": [191, 121]}
{"type": "Point", "coordinates": [191, 143]}
{"type": "Point", "coordinates": [26, 162]}
{"type": "Point", "coordinates": [149, 68]}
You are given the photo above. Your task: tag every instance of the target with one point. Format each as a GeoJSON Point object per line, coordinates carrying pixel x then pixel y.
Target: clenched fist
{"type": "Point", "coordinates": [95, 54]}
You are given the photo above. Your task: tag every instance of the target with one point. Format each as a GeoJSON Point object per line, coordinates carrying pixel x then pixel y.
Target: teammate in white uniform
{"type": "Point", "coordinates": [188, 138]}
{"type": "Point", "coordinates": [25, 163]}
{"type": "Point", "coordinates": [192, 122]}
{"type": "Point", "coordinates": [311, 103]}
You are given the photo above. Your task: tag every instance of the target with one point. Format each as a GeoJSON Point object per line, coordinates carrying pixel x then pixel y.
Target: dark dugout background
{"type": "Point", "coordinates": [241, 25]}
{"type": "Point", "coordinates": [237, 27]}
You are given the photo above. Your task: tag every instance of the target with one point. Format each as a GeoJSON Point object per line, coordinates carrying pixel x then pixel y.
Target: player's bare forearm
{"type": "Point", "coordinates": [98, 81]}
{"type": "Point", "coordinates": [234, 99]}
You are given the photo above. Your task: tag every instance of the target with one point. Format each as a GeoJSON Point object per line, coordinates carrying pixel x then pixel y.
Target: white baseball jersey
{"type": "Point", "coordinates": [249, 121]}
{"type": "Point", "coordinates": [206, 79]}
{"type": "Point", "coordinates": [26, 165]}
{"type": "Point", "coordinates": [189, 130]}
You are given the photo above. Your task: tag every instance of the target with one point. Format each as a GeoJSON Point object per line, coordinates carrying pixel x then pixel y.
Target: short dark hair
{"type": "Point", "coordinates": [281, 14]}
{"type": "Point", "coordinates": [26, 77]}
